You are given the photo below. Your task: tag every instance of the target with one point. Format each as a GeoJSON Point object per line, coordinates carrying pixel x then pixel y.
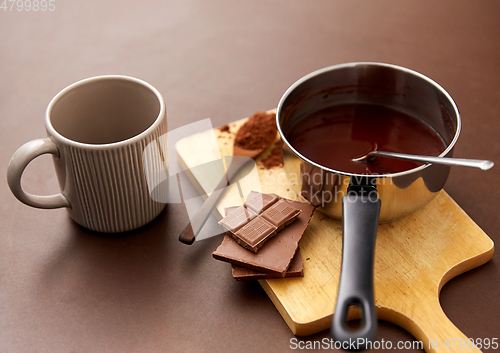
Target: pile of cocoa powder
{"type": "Point", "coordinates": [257, 133]}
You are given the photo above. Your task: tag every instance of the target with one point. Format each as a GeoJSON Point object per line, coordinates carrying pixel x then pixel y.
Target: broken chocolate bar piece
{"type": "Point", "coordinates": [296, 269]}
{"type": "Point", "coordinates": [280, 214]}
{"type": "Point", "coordinates": [255, 242]}
{"type": "Point", "coordinates": [278, 252]}
{"type": "Point", "coordinates": [237, 218]}
{"type": "Point", "coordinates": [253, 235]}
{"type": "Point", "coordinates": [258, 202]}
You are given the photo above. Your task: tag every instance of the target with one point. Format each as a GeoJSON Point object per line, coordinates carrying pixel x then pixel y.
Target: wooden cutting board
{"type": "Point", "coordinates": [414, 257]}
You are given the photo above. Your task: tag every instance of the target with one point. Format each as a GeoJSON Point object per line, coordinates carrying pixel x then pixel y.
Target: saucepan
{"type": "Point", "coordinates": [363, 200]}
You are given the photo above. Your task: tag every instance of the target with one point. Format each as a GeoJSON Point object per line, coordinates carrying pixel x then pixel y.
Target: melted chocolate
{"type": "Point", "coordinates": [332, 137]}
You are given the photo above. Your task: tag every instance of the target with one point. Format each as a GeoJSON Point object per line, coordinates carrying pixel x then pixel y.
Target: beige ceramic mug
{"type": "Point", "coordinates": [97, 131]}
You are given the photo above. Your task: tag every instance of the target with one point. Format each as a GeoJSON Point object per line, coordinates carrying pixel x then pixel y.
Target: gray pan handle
{"type": "Point", "coordinates": [360, 213]}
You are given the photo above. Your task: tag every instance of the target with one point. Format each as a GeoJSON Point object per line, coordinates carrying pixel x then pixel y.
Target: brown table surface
{"type": "Point", "coordinates": [65, 289]}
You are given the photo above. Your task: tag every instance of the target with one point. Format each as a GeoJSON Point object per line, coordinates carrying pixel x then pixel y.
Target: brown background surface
{"type": "Point", "coordinates": [65, 289]}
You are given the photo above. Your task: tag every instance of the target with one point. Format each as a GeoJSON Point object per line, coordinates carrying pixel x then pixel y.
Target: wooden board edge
{"type": "Point", "coordinates": [401, 320]}
{"type": "Point", "coordinates": [468, 264]}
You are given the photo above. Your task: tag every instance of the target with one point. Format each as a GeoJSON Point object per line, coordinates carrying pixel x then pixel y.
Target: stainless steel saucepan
{"type": "Point", "coordinates": [362, 201]}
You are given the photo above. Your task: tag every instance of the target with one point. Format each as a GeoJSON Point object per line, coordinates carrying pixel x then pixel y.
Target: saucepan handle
{"type": "Point", "coordinates": [360, 213]}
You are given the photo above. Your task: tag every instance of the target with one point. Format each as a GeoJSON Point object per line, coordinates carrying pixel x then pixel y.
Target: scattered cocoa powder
{"type": "Point", "coordinates": [224, 128]}
{"type": "Point", "coordinates": [258, 132]}
{"type": "Point", "coordinates": [274, 159]}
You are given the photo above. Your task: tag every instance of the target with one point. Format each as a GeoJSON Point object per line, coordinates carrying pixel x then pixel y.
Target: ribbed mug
{"type": "Point", "coordinates": [97, 130]}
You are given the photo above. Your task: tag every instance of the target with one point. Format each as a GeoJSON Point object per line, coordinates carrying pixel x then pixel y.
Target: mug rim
{"type": "Point", "coordinates": [367, 63]}
{"type": "Point", "coordinates": [54, 133]}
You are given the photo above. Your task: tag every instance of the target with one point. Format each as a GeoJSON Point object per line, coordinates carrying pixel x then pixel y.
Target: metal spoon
{"type": "Point", "coordinates": [189, 233]}
{"type": "Point", "coordinates": [476, 163]}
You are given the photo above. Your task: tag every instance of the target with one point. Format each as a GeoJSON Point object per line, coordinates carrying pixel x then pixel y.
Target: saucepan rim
{"type": "Point", "coordinates": [353, 64]}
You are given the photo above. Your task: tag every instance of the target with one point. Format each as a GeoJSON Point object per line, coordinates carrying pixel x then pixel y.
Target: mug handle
{"type": "Point", "coordinates": [21, 158]}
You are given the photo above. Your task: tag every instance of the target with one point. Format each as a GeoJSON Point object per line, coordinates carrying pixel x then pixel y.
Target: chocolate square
{"type": "Point", "coordinates": [237, 218]}
{"type": "Point", "coordinates": [258, 202]}
{"type": "Point", "coordinates": [280, 214]}
{"type": "Point", "coordinates": [253, 235]}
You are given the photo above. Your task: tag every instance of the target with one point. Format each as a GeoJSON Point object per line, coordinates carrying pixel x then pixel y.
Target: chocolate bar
{"type": "Point", "coordinates": [252, 235]}
{"type": "Point", "coordinates": [296, 269]}
{"type": "Point", "coordinates": [278, 252]}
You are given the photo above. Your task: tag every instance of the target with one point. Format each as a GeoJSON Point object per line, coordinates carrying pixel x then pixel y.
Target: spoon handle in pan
{"type": "Point", "coordinates": [193, 228]}
{"type": "Point", "coordinates": [476, 163]}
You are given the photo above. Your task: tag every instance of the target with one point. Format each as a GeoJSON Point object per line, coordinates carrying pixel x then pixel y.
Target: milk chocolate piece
{"type": "Point", "coordinates": [237, 218]}
{"type": "Point", "coordinates": [258, 202]}
{"type": "Point", "coordinates": [253, 235]}
{"type": "Point", "coordinates": [280, 214]}
{"type": "Point", "coordinates": [256, 244]}
{"type": "Point", "coordinates": [296, 269]}
{"type": "Point", "coordinates": [278, 252]}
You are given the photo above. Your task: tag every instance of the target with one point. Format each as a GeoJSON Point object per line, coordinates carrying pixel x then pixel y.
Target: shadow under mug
{"type": "Point", "coordinates": [97, 131]}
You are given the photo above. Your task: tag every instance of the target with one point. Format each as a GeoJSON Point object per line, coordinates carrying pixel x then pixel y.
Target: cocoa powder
{"type": "Point", "coordinates": [258, 132]}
